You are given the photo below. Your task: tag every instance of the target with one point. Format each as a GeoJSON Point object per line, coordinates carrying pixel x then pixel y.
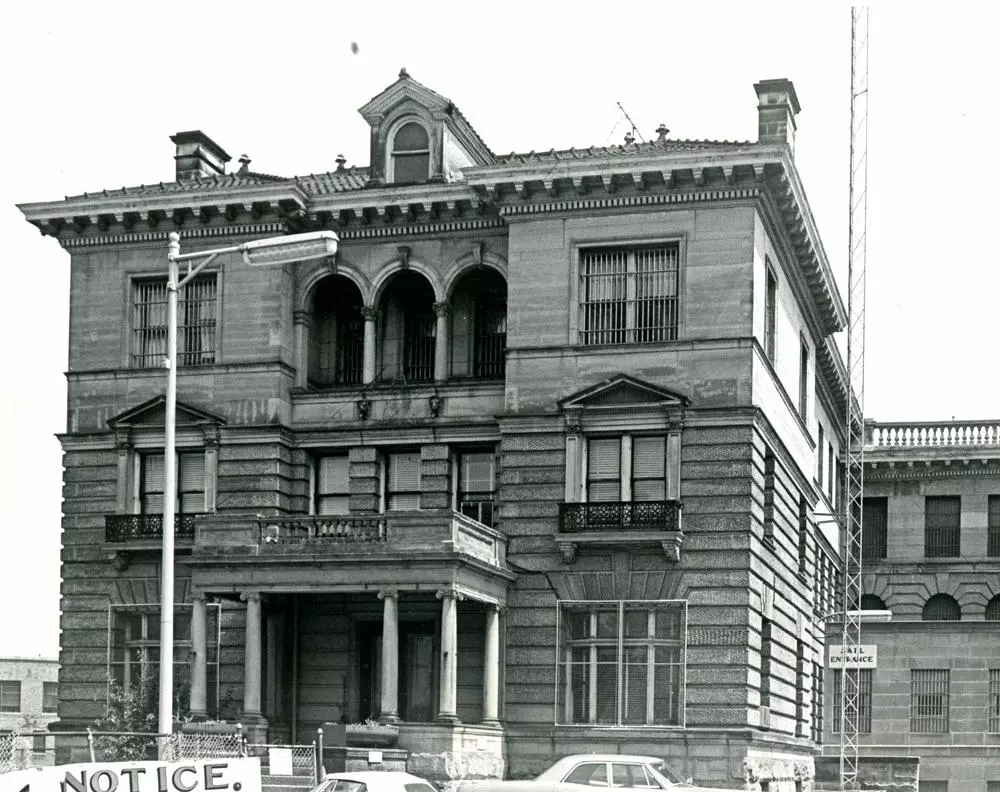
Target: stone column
{"type": "Point", "coordinates": [302, 324]}
{"type": "Point", "coordinates": [389, 708]}
{"type": "Point", "coordinates": [491, 668]}
{"type": "Point", "coordinates": [199, 651]}
{"type": "Point", "coordinates": [441, 344]}
{"type": "Point", "coordinates": [252, 658]}
{"type": "Point", "coordinates": [370, 313]}
{"type": "Point", "coordinates": [447, 708]}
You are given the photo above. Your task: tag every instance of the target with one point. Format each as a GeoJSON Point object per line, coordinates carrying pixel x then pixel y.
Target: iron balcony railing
{"type": "Point", "coordinates": [145, 527]}
{"type": "Point", "coordinates": [620, 516]}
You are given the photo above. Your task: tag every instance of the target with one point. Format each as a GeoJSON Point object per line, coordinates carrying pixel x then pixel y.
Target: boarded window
{"type": "Point", "coordinates": [332, 484]}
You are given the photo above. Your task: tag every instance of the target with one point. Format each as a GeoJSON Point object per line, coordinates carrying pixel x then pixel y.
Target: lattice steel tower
{"type": "Point", "coordinates": [857, 247]}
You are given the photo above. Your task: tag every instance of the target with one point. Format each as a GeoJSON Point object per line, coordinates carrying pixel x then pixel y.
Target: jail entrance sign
{"type": "Point", "coordinates": [863, 656]}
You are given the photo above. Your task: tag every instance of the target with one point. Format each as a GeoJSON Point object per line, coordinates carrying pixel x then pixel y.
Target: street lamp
{"type": "Point", "coordinates": [274, 251]}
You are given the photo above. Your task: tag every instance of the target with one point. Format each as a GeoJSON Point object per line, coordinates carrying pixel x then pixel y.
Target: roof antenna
{"type": "Point", "coordinates": [630, 137]}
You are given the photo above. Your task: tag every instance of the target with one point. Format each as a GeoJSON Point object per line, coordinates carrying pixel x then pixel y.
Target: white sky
{"type": "Point", "coordinates": [92, 91]}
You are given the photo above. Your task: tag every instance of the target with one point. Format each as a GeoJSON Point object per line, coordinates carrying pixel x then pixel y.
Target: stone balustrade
{"type": "Point", "coordinates": [932, 434]}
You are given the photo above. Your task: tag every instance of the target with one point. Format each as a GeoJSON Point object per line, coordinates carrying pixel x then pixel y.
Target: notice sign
{"type": "Point", "coordinates": [202, 775]}
{"type": "Point", "coordinates": [864, 656]}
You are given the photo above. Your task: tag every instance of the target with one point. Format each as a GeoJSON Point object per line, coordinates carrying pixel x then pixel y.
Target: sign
{"type": "Point", "coordinates": [281, 761]}
{"type": "Point", "coordinates": [863, 656]}
{"type": "Point", "coordinates": [196, 775]}
{"type": "Point", "coordinates": [374, 757]}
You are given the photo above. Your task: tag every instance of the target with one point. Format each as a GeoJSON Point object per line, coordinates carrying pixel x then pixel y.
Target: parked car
{"type": "Point", "coordinates": [374, 781]}
{"type": "Point", "coordinates": [585, 771]}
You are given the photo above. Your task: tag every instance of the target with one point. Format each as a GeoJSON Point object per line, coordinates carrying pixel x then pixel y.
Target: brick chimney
{"type": "Point", "coordinates": [777, 106]}
{"type": "Point", "coordinates": [198, 156]}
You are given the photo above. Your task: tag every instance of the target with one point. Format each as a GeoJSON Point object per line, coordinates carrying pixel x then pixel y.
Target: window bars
{"type": "Point", "coordinates": [864, 700]}
{"type": "Point", "coordinates": [196, 322]}
{"type": "Point", "coordinates": [629, 295]}
{"type": "Point", "coordinates": [929, 700]}
{"type": "Point", "coordinates": [621, 663]}
{"type": "Point", "coordinates": [875, 532]}
{"type": "Point", "coordinates": [942, 532]}
{"type": "Point", "coordinates": [490, 343]}
{"type": "Point", "coordinates": [419, 332]}
{"type": "Point", "coordinates": [994, 701]}
{"type": "Point", "coordinates": [993, 541]}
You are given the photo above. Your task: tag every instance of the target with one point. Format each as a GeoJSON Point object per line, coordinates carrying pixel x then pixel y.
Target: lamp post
{"type": "Point", "coordinates": [274, 251]}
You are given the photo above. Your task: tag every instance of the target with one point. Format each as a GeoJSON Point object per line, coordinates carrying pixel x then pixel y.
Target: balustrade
{"type": "Point", "coordinates": [145, 527]}
{"type": "Point", "coordinates": [328, 528]}
{"type": "Point", "coordinates": [620, 515]}
{"type": "Point", "coordinates": [934, 434]}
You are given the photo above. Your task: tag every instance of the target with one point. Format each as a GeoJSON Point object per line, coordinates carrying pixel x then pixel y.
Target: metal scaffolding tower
{"type": "Point", "coordinates": [857, 247]}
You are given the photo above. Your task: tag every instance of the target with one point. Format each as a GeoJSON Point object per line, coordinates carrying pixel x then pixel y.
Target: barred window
{"type": "Point", "coordinates": [134, 647]}
{"type": "Point", "coordinates": [942, 527]}
{"type": "Point", "coordinates": [864, 700]}
{"type": "Point", "coordinates": [629, 295]}
{"type": "Point", "coordinates": [993, 609]}
{"type": "Point", "coordinates": [994, 701]}
{"type": "Point", "coordinates": [817, 704]}
{"type": "Point", "coordinates": [332, 485]}
{"type": "Point", "coordinates": [50, 696]}
{"type": "Point", "coordinates": [196, 322]}
{"type": "Point", "coordinates": [874, 529]}
{"type": "Point", "coordinates": [993, 521]}
{"type": "Point", "coordinates": [621, 663]}
{"type": "Point", "coordinates": [770, 313]}
{"type": "Point", "coordinates": [190, 475]}
{"type": "Point", "coordinates": [929, 700]}
{"type": "Point", "coordinates": [803, 379]}
{"type": "Point", "coordinates": [942, 607]}
{"type": "Point", "coordinates": [490, 336]}
{"type": "Point", "coordinates": [10, 696]}
{"type": "Point", "coordinates": [803, 545]}
{"type": "Point", "coordinates": [476, 485]}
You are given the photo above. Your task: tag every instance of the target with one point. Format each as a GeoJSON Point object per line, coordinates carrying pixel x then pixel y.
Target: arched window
{"type": "Point", "coordinates": [993, 609]}
{"type": "Point", "coordinates": [872, 602]}
{"type": "Point", "coordinates": [411, 154]}
{"type": "Point", "coordinates": [336, 339]}
{"type": "Point", "coordinates": [942, 607]}
{"type": "Point", "coordinates": [479, 325]}
{"type": "Point", "coordinates": [409, 329]}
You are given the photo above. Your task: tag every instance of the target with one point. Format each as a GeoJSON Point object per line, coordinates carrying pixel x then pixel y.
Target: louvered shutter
{"type": "Point", "coordinates": [332, 485]}
{"type": "Point", "coordinates": [404, 481]}
{"type": "Point", "coordinates": [604, 469]}
{"type": "Point", "coordinates": [191, 482]}
{"type": "Point", "coordinates": [152, 483]}
{"type": "Point", "coordinates": [649, 469]}
{"type": "Point", "coordinates": [477, 472]}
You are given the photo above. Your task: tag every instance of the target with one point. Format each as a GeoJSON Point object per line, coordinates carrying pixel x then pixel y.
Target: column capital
{"type": "Point", "coordinates": [448, 593]}
{"type": "Point", "coordinates": [442, 308]}
{"type": "Point", "coordinates": [388, 593]}
{"type": "Point", "coordinates": [199, 597]}
{"type": "Point", "coordinates": [369, 312]}
{"type": "Point", "coordinates": [250, 596]}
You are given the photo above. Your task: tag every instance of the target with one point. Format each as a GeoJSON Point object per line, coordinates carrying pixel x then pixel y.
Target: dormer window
{"type": "Point", "coordinates": [411, 154]}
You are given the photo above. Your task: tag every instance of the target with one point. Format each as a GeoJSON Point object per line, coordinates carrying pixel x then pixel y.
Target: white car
{"type": "Point", "coordinates": [580, 772]}
{"type": "Point", "coordinates": [373, 781]}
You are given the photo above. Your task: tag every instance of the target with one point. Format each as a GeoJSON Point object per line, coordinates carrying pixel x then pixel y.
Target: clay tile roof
{"type": "Point", "coordinates": [228, 181]}
{"type": "Point", "coordinates": [335, 181]}
{"type": "Point", "coordinates": [631, 150]}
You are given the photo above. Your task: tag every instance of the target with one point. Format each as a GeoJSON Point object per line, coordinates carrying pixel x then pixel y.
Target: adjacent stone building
{"type": "Point", "coordinates": [543, 461]}
{"type": "Point", "coordinates": [931, 555]}
{"type": "Point", "coordinates": [29, 693]}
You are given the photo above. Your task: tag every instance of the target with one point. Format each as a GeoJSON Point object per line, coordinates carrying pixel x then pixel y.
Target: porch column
{"type": "Point", "coordinates": [302, 321]}
{"type": "Point", "coordinates": [447, 710]}
{"type": "Point", "coordinates": [389, 708]}
{"type": "Point", "coordinates": [370, 313]}
{"type": "Point", "coordinates": [252, 657]}
{"type": "Point", "coordinates": [199, 650]}
{"type": "Point", "coordinates": [441, 344]}
{"type": "Point", "coordinates": [491, 668]}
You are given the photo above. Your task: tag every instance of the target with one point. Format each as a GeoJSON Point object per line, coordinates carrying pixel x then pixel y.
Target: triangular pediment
{"type": "Point", "coordinates": [153, 414]}
{"type": "Point", "coordinates": [405, 88]}
{"type": "Point", "coordinates": [623, 391]}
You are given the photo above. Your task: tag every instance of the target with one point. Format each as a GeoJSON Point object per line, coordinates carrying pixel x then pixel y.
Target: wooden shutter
{"type": "Point", "coordinates": [152, 483]}
{"type": "Point", "coordinates": [404, 481]}
{"type": "Point", "coordinates": [332, 485]}
{"type": "Point", "coordinates": [191, 482]}
{"type": "Point", "coordinates": [477, 472]}
{"type": "Point", "coordinates": [649, 469]}
{"type": "Point", "coordinates": [604, 469]}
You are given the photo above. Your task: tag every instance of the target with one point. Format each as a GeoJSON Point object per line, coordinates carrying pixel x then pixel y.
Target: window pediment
{"type": "Point", "coordinates": [622, 393]}
{"type": "Point", "coordinates": [152, 414]}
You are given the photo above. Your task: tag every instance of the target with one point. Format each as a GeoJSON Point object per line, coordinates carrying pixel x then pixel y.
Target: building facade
{"type": "Point", "coordinates": [543, 461]}
{"type": "Point", "coordinates": [29, 693]}
{"type": "Point", "coordinates": [931, 556]}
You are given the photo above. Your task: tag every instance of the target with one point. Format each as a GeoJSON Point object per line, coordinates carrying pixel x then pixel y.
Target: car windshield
{"type": "Point", "coordinates": [664, 772]}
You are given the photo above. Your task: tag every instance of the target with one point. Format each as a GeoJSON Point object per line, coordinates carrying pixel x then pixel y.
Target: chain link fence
{"type": "Point", "coordinates": [290, 766]}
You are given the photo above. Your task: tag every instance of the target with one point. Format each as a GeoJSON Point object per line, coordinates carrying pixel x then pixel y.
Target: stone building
{"type": "Point", "coordinates": [29, 693]}
{"type": "Point", "coordinates": [931, 555]}
{"type": "Point", "coordinates": [539, 463]}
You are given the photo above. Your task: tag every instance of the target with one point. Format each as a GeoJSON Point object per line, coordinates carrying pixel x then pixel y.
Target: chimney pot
{"type": "Point", "coordinates": [777, 106]}
{"type": "Point", "coordinates": [341, 162]}
{"type": "Point", "coordinates": [197, 156]}
{"type": "Point", "coordinates": [662, 133]}
{"type": "Point", "coordinates": [244, 165]}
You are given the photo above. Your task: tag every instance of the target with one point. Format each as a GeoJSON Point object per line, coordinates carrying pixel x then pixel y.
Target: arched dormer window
{"type": "Point", "coordinates": [411, 154]}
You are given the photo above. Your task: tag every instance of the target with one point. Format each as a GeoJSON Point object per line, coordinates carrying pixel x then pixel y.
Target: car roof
{"type": "Point", "coordinates": [609, 757]}
{"type": "Point", "coordinates": [375, 775]}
